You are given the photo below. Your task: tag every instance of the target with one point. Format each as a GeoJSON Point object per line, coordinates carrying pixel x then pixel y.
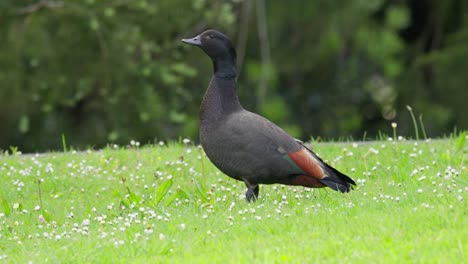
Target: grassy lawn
{"type": "Point", "coordinates": [168, 203]}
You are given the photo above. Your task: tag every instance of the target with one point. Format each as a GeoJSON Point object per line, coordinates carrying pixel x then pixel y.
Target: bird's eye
{"type": "Point", "coordinates": [211, 36]}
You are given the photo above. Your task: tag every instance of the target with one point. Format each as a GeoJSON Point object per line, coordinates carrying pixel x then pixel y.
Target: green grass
{"type": "Point", "coordinates": [170, 204]}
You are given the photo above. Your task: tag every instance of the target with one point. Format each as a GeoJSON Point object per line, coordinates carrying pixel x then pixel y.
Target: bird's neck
{"type": "Point", "coordinates": [219, 101]}
{"type": "Point", "coordinates": [225, 67]}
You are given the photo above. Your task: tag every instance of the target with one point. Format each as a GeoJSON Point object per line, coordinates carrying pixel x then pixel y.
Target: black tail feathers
{"type": "Point", "coordinates": [334, 179]}
{"type": "Point", "coordinates": [337, 180]}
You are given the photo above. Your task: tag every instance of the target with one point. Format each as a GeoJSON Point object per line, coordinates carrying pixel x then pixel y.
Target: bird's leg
{"type": "Point", "coordinates": [252, 192]}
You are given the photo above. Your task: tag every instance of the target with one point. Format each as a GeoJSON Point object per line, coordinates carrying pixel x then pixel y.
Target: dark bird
{"type": "Point", "coordinates": [246, 146]}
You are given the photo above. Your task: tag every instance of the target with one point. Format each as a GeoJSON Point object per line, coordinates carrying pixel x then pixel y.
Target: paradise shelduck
{"type": "Point", "coordinates": [247, 146]}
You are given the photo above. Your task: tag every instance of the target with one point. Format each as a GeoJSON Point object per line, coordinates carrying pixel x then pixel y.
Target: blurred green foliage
{"type": "Point", "coordinates": [102, 71]}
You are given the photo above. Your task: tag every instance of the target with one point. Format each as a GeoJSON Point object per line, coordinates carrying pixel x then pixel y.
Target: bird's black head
{"type": "Point", "coordinates": [215, 44]}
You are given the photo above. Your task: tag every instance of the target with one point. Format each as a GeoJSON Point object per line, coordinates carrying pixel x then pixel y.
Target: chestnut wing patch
{"type": "Point", "coordinates": [305, 162]}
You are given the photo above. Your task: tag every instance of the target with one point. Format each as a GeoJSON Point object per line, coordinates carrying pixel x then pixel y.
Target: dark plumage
{"type": "Point", "coordinates": [246, 146]}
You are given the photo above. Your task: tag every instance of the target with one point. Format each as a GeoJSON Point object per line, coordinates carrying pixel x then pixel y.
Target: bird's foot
{"type": "Point", "coordinates": [252, 193]}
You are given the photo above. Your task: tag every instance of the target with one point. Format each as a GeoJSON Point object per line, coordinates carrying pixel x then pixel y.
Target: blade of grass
{"type": "Point", "coordinates": [461, 140]}
{"type": "Point", "coordinates": [415, 124]}
{"type": "Point", "coordinates": [5, 206]}
{"type": "Point", "coordinates": [161, 191]}
{"type": "Point", "coordinates": [64, 143]}
{"type": "Point", "coordinates": [422, 126]}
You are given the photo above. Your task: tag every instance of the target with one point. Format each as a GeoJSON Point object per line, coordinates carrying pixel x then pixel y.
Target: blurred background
{"type": "Point", "coordinates": [111, 71]}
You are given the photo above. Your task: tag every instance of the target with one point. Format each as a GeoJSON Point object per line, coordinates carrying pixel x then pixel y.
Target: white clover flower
{"type": "Point", "coordinates": [85, 222]}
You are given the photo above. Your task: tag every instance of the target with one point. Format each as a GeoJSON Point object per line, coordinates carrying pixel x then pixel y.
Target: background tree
{"type": "Point", "coordinates": [110, 71]}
